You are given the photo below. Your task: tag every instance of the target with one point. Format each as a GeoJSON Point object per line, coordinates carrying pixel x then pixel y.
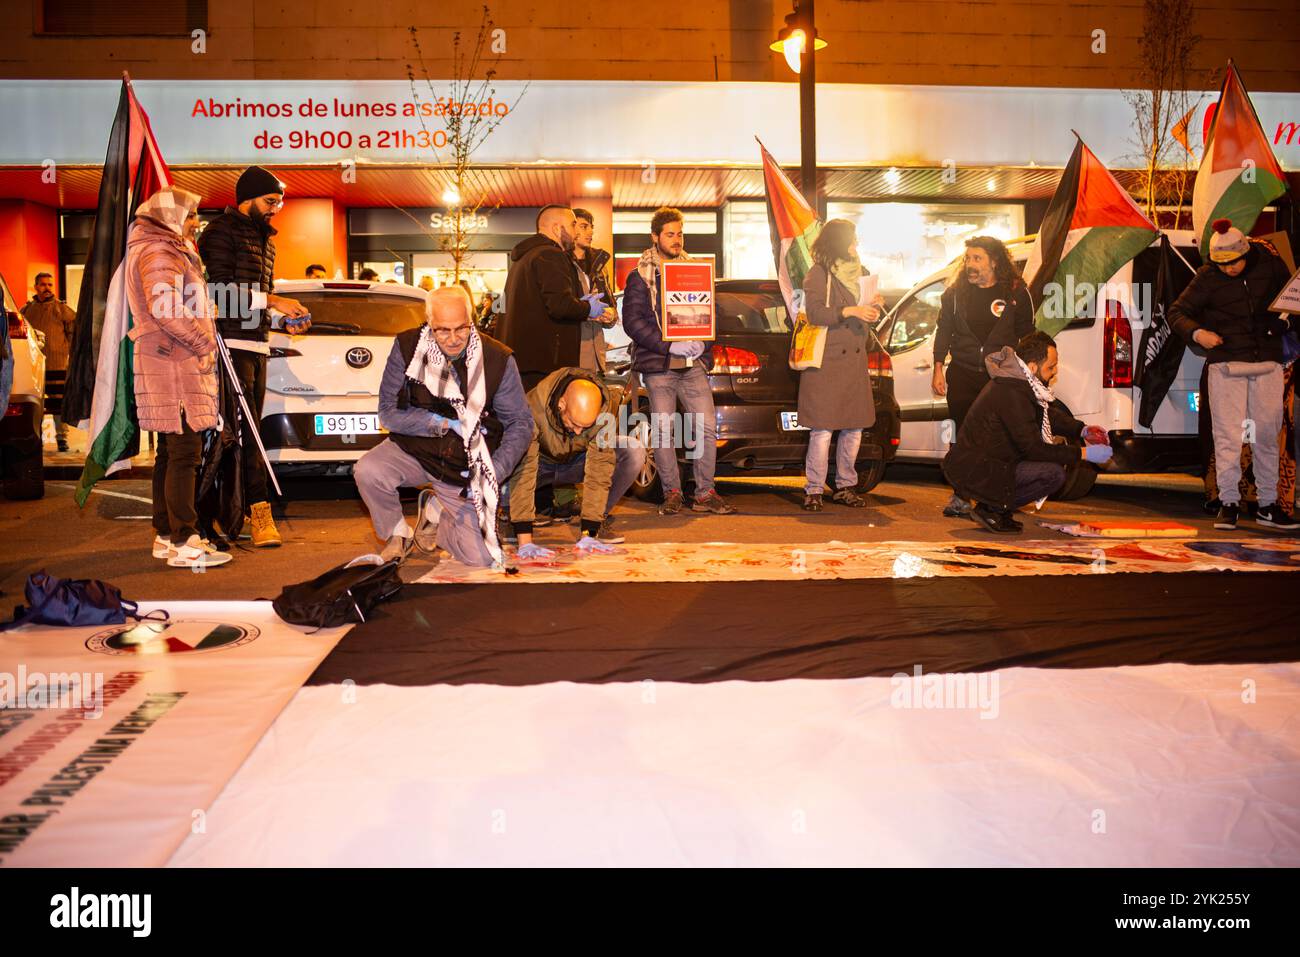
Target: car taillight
{"type": "Point", "coordinates": [733, 361]}
{"type": "Point", "coordinates": [1117, 361]}
{"type": "Point", "coordinates": [15, 408]}
{"type": "Point", "coordinates": [17, 327]}
{"type": "Point", "coordinates": [879, 364]}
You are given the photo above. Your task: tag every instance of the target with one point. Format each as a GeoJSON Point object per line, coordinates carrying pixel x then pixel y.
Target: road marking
{"type": "Point", "coordinates": [100, 491]}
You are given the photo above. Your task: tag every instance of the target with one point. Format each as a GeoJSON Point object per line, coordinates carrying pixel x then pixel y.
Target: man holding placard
{"type": "Point", "coordinates": [671, 322]}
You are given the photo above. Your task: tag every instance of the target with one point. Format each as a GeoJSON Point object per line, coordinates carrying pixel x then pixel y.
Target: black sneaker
{"type": "Point", "coordinates": [564, 514]}
{"type": "Point", "coordinates": [956, 508]}
{"type": "Point", "coordinates": [1227, 517]}
{"type": "Point", "coordinates": [62, 444]}
{"type": "Point", "coordinates": [812, 503]}
{"type": "Point", "coordinates": [994, 520]}
{"type": "Point", "coordinates": [1212, 506]}
{"type": "Point", "coordinates": [607, 534]}
{"type": "Point", "coordinates": [713, 502]}
{"type": "Point", "coordinates": [1274, 516]}
{"type": "Point", "coordinates": [673, 503]}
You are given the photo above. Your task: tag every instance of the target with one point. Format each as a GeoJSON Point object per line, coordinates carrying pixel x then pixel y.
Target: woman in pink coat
{"type": "Point", "coordinates": [175, 365]}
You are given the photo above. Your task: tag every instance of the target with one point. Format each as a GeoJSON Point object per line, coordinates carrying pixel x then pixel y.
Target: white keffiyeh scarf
{"type": "Point", "coordinates": [430, 367]}
{"type": "Point", "coordinates": [1044, 396]}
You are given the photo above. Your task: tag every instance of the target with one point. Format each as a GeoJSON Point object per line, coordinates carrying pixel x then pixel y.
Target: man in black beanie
{"type": "Point", "coordinates": [239, 255]}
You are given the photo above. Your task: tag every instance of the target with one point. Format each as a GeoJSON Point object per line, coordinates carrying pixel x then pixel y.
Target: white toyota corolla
{"type": "Point", "coordinates": [322, 387]}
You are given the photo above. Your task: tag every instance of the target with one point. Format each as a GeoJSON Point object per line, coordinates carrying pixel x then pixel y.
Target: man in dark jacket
{"type": "Point", "coordinates": [1224, 310]}
{"type": "Point", "coordinates": [545, 307]}
{"type": "Point", "coordinates": [673, 372]}
{"type": "Point", "coordinates": [239, 256]}
{"type": "Point", "coordinates": [1017, 441]}
{"type": "Point", "coordinates": [594, 276]}
{"type": "Point", "coordinates": [54, 319]}
{"type": "Point", "coordinates": [474, 380]}
{"type": "Point", "coordinates": [985, 307]}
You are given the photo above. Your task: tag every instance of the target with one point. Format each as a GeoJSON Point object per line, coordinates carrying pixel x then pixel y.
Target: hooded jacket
{"type": "Point", "coordinates": [1235, 307]}
{"type": "Point", "coordinates": [1002, 429]}
{"type": "Point", "coordinates": [555, 443]}
{"type": "Point", "coordinates": [173, 333]}
{"type": "Point", "coordinates": [544, 309]}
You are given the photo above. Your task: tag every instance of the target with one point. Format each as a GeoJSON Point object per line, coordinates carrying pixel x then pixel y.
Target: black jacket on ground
{"type": "Point", "coordinates": [1003, 428]}
{"type": "Point", "coordinates": [954, 336]}
{"type": "Point", "coordinates": [1236, 308]}
{"type": "Point", "coordinates": [544, 309]}
{"type": "Point", "coordinates": [238, 254]}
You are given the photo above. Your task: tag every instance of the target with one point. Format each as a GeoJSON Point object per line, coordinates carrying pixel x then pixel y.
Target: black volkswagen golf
{"type": "Point", "coordinates": [756, 393]}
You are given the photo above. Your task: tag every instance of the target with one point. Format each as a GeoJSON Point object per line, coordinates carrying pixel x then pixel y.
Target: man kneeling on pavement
{"type": "Point", "coordinates": [1016, 442]}
{"type": "Point", "coordinates": [459, 422]}
{"type": "Point", "coordinates": [576, 441]}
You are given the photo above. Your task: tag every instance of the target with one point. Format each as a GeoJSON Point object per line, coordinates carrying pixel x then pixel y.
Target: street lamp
{"type": "Point", "coordinates": [792, 43]}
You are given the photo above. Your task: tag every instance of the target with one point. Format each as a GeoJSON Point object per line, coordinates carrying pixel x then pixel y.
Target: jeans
{"type": "Point", "coordinates": [385, 469]}
{"type": "Point", "coordinates": [1035, 480]}
{"type": "Point", "coordinates": [631, 456]}
{"type": "Point", "coordinates": [1246, 395]}
{"type": "Point", "coordinates": [691, 388]}
{"type": "Point", "coordinates": [6, 379]}
{"type": "Point", "coordinates": [250, 368]}
{"type": "Point", "coordinates": [846, 457]}
{"type": "Point", "coordinates": [175, 473]}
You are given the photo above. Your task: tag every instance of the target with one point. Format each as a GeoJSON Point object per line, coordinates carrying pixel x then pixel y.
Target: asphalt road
{"type": "Point", "coordinates": [323, 524]}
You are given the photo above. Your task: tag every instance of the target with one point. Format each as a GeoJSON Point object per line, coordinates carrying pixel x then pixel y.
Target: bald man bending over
{"type": "Point", "coordinates": [545, 308]}
{"type": "Point", "coordinates": [577, 440]}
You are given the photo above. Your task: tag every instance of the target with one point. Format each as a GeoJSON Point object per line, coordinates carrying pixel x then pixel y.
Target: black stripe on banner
{"type": "Point", "coordinates": [771, 630]}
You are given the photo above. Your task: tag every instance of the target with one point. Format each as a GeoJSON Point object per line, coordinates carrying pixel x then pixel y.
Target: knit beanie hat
{"type": "Point", "coordinates": [254, 182]}
{"type": "Point", "coordinates": [1227, 243]}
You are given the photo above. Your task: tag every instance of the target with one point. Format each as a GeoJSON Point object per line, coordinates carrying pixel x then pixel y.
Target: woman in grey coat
{"type": "Point", "coordinates": [837, 396]}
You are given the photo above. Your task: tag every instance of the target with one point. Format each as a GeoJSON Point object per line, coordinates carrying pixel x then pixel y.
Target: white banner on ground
{"type": "Point", "coordinates": [115, 741]}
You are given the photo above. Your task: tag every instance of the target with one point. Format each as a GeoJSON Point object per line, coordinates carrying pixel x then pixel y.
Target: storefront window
{"type": "Point", "coordinates": [904, 242]}
{"type": "Point", "coordinates": [747, 242]}
{"type": "Point", "coordinates": [485, 271]}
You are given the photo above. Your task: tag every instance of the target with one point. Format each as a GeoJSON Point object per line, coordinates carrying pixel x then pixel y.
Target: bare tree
{"type": "Point", "coordinates": [467, 112]}
{"type": "Point", "coordinates": [1166, 97]}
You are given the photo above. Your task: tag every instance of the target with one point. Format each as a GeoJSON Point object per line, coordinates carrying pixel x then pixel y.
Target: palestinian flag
{"type": "Point", "coordinates": [794, 226]}
{"type": "Point", "coordinates": [1091, 229]}
{"type": "Point", "coordinates": [1239, 174]}
{"type": "Point", "coordinates": [101, 382]}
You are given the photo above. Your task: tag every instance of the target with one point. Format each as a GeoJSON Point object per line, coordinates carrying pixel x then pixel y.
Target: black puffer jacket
{"type": "Point", "coordinates": [544, 309]}
{"type": "Point", "coordinates": [239, 256]}
{"type": "Point", "coordinates": [1235, 307]}
{"type": "Point", "coordinates": [1005, 427]}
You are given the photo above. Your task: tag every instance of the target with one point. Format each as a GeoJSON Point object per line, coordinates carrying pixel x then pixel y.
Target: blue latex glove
{"type": "Point", "coordinates": [444, 423]}
{"type": "Point", "coordinates": [1098, 454]}
{"type": "Point", "coordinates": [691, 349]}
{"type": "Point", "coordinates": [588, 545]}
{"type": "Point", "coordinates": [532, 551]}
{"type": "Point", "coordinates": [297, 326]}
{"type": "Point", "coordinates": [595, 304]}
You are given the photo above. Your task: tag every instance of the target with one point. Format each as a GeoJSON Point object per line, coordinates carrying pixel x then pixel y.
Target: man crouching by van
{"type": "Point", "coordinates": [454, 403]}
{"type": "Point", "coordinates": [1013, 448]}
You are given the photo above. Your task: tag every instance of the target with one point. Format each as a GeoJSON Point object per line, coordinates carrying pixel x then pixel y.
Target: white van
{"type": "Point", "coordinates": [1097, 356]}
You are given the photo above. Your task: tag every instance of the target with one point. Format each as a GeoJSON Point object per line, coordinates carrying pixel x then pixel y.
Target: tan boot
{"type": "Point", "coordinates": [264, 531]}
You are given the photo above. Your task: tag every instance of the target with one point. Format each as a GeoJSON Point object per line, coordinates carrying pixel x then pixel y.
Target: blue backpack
{"type": "Point", "coordinates": [65, 601]}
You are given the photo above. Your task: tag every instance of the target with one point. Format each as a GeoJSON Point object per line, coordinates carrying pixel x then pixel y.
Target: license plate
{"type": "Point", "coordinates": [347, 425]}
{"type": "Point", "coordinates": [790, 422]}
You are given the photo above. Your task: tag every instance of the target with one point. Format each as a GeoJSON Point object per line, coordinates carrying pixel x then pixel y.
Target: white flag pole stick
{"type": "Point", "coordinates": [254, 427]}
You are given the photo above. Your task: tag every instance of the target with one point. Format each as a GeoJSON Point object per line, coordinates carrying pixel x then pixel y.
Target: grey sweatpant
{"type": "Point", "coordinates": [385, 469]}
{"type": "Point", "coordinates": [1246, 406]}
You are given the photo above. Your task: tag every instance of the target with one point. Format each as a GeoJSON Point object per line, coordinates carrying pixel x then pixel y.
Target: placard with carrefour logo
{"type": "Point", "coordinates": [686, 292]}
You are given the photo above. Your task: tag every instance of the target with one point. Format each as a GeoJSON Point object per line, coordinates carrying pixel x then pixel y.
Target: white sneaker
{"type": "Point", "coordinates": [162, 547]}
{"type": "Point", "coordinates": [196, 553]}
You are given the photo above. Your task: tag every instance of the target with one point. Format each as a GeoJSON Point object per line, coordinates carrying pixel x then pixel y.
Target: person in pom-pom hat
{"type": "Point", "coordinates": [1224, 312]}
